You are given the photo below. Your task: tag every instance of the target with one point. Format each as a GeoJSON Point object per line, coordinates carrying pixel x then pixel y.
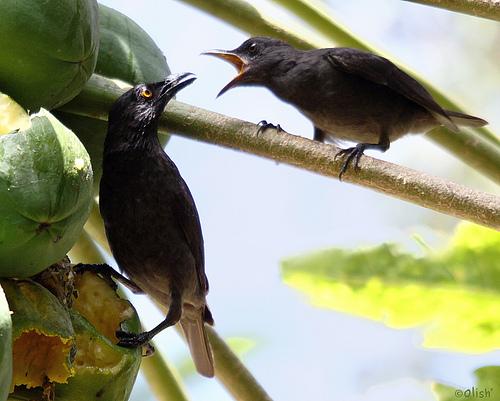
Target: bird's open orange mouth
{"type": "Point", "coordinates": [239, 63]}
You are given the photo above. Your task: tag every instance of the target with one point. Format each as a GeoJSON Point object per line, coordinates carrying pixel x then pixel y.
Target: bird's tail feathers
{"type": "Point", "coordinates": [465, 120]}
{"type": "Point", "coordinates": [445, 120]}
{"type": "Point", "coordinates": [199, 346]}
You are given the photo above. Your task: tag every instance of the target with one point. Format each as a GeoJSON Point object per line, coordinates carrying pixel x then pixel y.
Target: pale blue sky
{"type": "Point", "coordinates": [255, 212]}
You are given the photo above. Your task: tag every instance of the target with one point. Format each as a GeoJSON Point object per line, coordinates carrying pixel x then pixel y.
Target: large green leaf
{"type": "Point", "coordinates": [454, 294]}
{"type": "Point", "coordinates": [487, 387]}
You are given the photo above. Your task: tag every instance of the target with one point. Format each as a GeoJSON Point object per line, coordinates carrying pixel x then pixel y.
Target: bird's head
{"type": "Point", "coordinates": [140, 108]}
{"type": "Point", "coordinates": [254, 59]}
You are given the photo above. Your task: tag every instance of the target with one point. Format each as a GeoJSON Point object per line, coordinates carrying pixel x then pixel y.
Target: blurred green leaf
{"type": "Point", "coordinates": [241, 346]}
{"type": "Point", "coordinates": [454, 294]}
{"type": "Point", "coordinates": [487, 386]}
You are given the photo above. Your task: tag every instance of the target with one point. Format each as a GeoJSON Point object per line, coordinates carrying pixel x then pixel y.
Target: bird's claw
{"type": "Point", "coordinates": [350, 153]}
{"type": "Point", "coordinates": [108, 273]}
{"type": "Point", "coordinates": [263, 125]}
{"type": "Point", "coordinates": [102, 270]}
{"type": "Point", "coordinates": [147, 350]}
{"type": "Point", "coordinates": [131, 340]}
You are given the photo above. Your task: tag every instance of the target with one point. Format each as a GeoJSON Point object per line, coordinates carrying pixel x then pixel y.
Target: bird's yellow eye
{"type": "Point", "coordinates": [146, 93]}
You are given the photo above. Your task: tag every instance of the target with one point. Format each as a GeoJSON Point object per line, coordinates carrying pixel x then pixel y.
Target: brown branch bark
{"type": "Point", "coordinates": [479, 8]}
{"type": "Point", "coordinates": [397, 181]}
{"type": "Point", "coordinates": [400, 182]}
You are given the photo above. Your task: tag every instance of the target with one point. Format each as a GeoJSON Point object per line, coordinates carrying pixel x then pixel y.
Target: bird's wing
{"type": "Point", "coordinates": [189, 223]}
{"type": "Point", "coordinates": [381, 71]}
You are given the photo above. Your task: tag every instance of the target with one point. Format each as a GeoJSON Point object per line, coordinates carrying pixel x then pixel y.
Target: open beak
{"type": "Point", "coordinates": [170, 86]}
{"type": "Point", "coordinates": [175, 83]}
{"type": "Point", "coordinates": [238, 62]}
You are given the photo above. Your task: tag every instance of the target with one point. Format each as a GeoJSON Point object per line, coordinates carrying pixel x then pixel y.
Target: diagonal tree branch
{"type": "Point", "coordinates": [479, 8]}
{"type": "Point", "coordinates": [232, 373]}
{"type": "Point", "coordinates": [400, 182]}
{"type": "Point", "coordinates": [397, 181]}
{"type": "Point", "coordinates": [479, 148]}
{"type": "Point", "coordinates": [163, 379]}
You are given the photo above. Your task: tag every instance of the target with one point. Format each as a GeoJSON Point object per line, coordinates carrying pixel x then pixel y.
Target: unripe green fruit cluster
{"type": "Point", "coordinates": [50, 165]}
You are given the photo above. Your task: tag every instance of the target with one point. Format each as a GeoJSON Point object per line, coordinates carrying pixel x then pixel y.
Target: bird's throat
{"type": "Point", "coordinates": [132, 140]}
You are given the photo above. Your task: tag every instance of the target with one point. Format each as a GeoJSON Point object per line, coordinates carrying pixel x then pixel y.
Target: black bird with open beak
{"type": "Point", "coordinates": [151, 220]}
{"type": "Point", "coordinates": [347, 94]}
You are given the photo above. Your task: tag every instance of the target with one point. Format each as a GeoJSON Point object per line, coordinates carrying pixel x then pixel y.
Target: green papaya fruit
{"type": "Point", "coordinates": [127, 53]}
{"type": "Point", "coordinates": [45, 195]}
{"type": "Point", "coordinates": [49, 49]}
{"type": "Point", "coordinates": [85, 361]}
{"type": "Point", "coordinates": [104, 371]}
{"type": "Point", "coordinates": [41, 326]}
{"type": "Point", "coordinates": [5, 347]}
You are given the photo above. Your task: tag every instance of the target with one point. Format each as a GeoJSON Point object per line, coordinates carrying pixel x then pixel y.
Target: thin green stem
{"type": "Point", "coordinates": [232, 373]}
{"type": "Point", "coordinates": [249, 18]}
{"type": "Point", "coordinates": [95, 228]}
{"type": "Point", "coordinates": [483, 153]}
{"type": "Point", "coordinates": [316, 15]}
{"type": "Point", "coordinates": [397, 181]}
{"type": "Point", "coordinates": [479, 8]}
{"type": "Point", "coordinates": [85, 250]}
{"type": "Point", "coordinates": [163, 379]}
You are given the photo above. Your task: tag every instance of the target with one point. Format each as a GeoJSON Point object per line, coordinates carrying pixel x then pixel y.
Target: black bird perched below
{"type": "Point", "coordinates": [151, 220]}
{"type": "Point", "coordinates": [348, 94]}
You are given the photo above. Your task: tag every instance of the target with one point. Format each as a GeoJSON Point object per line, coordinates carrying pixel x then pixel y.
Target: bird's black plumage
{"type": "Point", "coordinates": [150, 217]}
{"type": "Point", "coordinates": [347, 94]}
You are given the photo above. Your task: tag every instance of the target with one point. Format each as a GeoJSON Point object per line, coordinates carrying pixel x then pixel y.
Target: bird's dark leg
{"type": "Point", "coordinates": [319, 135]}
{"type": "Point", "coordinates": [357, 151]}
{"type": "Point", "coordinates": [263, 125]}
{"type": "Point", "coordinates": [107, 272]}
{"type": "Point", "coordinates": [131, 340]}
